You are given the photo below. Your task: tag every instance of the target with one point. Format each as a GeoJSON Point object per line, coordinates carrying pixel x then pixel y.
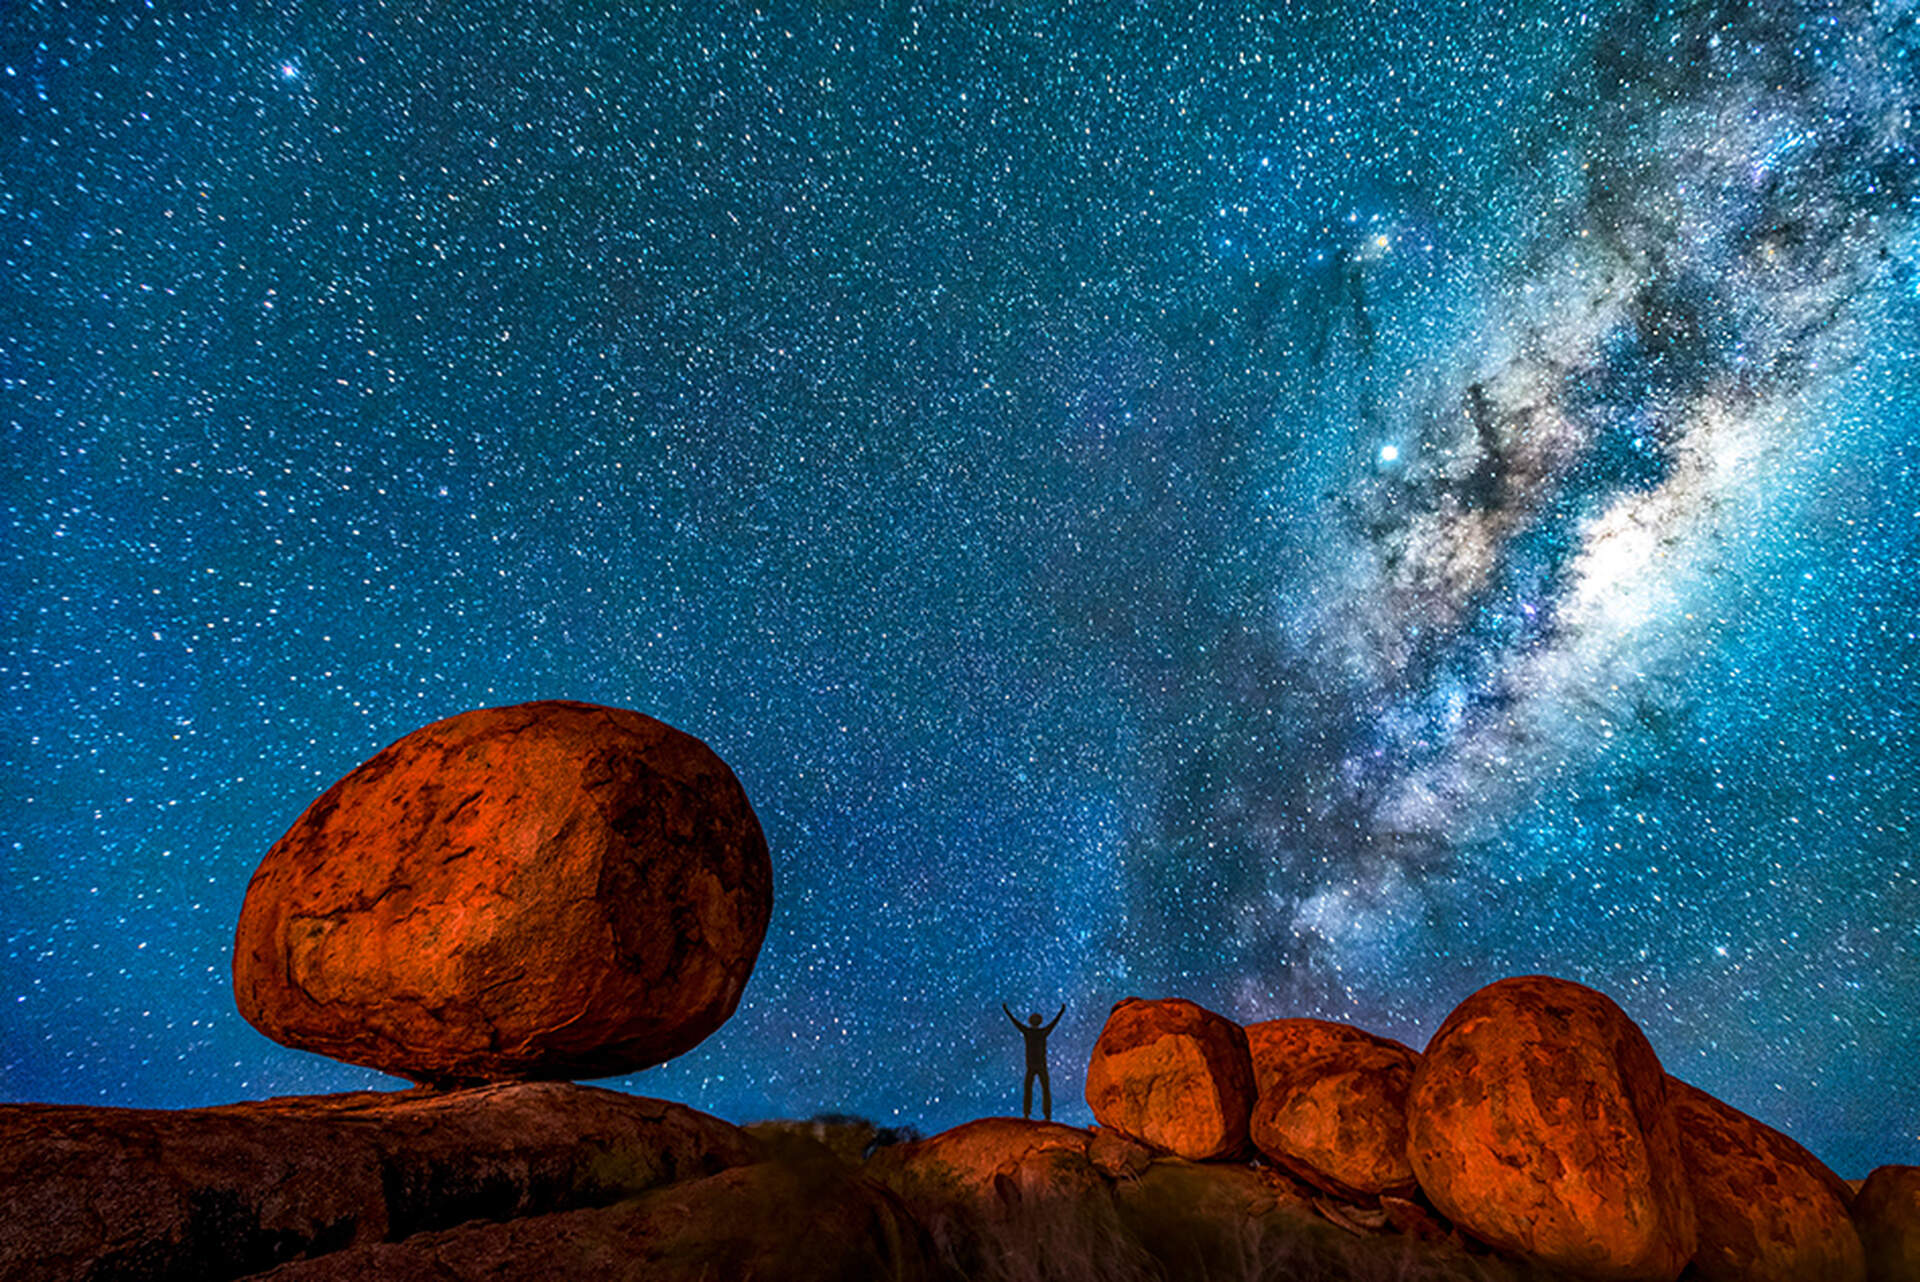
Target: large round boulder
{"type": "Point", "coordinates": [1174, 1075]}
{"type": "Point", "coordinates": [552, 890]}
{"type": "Point", "coordinates": [1332, 1105]}
{"type": "Point", "coordinates": [1769, 1210]}
{"type": "Point", "coordinates": [1538, 1121]}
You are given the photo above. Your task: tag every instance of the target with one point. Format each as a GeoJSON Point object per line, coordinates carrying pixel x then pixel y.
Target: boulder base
{"type": "Point", "coordinates": [1538, 1121]}
{"type": "Point", "coordinates": [1332, 1105]}
{"type": "Point", "coordinates": [796, 1221]}
{"type": "Point", "coordinates": [1887, 1212]}
{"type": "Point", "coordinates": [217, 1193]}
{"type": "Point", "coordinates": [1769, 1210]}
{"type": "Point", "coordinates": [1174, 1075]}
{"type": "Point", "coordinates": [553, 890]}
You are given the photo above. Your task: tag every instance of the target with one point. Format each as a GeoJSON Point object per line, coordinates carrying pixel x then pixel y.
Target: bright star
{"type": "Point", "coordinates": [1389, 453]}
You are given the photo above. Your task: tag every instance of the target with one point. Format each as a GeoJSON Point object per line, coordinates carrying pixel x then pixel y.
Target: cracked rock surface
{"type": "Point", "coordinates": [1539, 1121]}
{"type": "Point", "coordinates": [1175, 1075]}
{"type": "Point", "coordinates": [550, 890]}
{"type": "Point", "coordinates": [1331, 1105]}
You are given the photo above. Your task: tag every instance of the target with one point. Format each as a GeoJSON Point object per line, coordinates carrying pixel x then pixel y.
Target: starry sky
{"type": "Point", "coordinates": [1310, 507]}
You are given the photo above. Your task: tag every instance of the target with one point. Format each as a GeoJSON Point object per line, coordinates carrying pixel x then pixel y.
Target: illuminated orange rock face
{"type": "Point", "coordinates": [1332, 1105]}
{"type": "Point", "coordinates": [1769, 1210]}
{"type": "Point", "coordinates": [553, 890]}
{"type": "Point", "coordinates": [1887, 1212]}
{"type": "Point", "coordinates": [993, 1158]}
{"type": "Point", "coordinates": [1538, 1121]}
{"type": "Point", "coordinates": [1174, 1075]}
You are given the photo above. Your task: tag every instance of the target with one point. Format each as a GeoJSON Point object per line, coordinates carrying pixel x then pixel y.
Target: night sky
{"type": "Point", "coordinates": [1306, 507]}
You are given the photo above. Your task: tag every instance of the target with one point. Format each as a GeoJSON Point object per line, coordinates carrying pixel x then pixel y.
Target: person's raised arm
{"type": "Point", "coordinates": [1009, 1015]}
{"type": "Point", "coordinates": [1056, 1018]}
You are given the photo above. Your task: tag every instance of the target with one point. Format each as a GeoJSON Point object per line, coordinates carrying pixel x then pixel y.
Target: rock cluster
{"type": "Point", "coordinates": [1537, 1122]}
{"type": "Point", "coordinates": [559, 890]}
{"type": "Point", "coordinates": [553, 890]}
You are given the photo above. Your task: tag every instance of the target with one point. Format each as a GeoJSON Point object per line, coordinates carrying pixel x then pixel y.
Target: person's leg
{"type": "Point", "coordinates": [1026, 1095]}
{"type": "Point", "coordinates": [1046, 1094]}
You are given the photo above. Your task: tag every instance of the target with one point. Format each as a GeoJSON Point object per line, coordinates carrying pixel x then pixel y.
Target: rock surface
{"type": "Point", "coordinates": [1538, 1120]}
{"type": "Point", "coordinates": [218, 1193]}
{"type": "Point", "coordinates": [1174, 1075]}
{"type": "Point", "coordinates": [1887, 1213]}
{"type": "Point", "coordinates": [993, 1158]}
{"type": "Point", "coordinates": [553, 890]}
{"type": "Point", "coordinates": [792, 1221]}
{"type": "Point", "coordinates": [1769, 1211]}
{"type": "Point", "coordinates": [1332, 1105]}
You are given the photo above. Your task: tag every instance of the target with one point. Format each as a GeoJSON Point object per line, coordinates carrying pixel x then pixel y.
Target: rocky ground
{"type": "Point", "coordinates": [517, 896]}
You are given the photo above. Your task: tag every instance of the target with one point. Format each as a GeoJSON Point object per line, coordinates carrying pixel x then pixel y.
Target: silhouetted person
{"type": "Point", "coordinates": [1036, 1036]}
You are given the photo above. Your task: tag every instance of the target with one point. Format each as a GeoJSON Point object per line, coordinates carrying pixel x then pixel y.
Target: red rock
{"type": "Point", "coordinates": [792, 1221]}
{"type": "Point", "coordinates": [1769, 1210]}
{"type": "Point", "coordinates": [1887, 1213]}
{"type": "Point", "coordinates": [216, 1193]}
{"type": "Point", "coordinates": [1538, 1121]}
{"type": "Point", "coordinates": [1174, 1075]}
{"type": "Point", "coordinates": [551, 890]}
{"type": "Point", "coordinates": [1117, 1157]}
{"type": "Point", "coordinates": [990, 1158]}
{"type": "Point", "coordinates": [1332, 1105]}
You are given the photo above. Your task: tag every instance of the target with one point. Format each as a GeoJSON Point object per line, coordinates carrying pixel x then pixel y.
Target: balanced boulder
{"type": "Point", "coordinates": [1332, 1105]}
{"type": "Point", "coordinates": [1887, 1211]}
{"type": "Point", "coordinates": [1538, 1121]}
{"type": "Point", "coordinates": [1174, 1075]}
{"type": "Point", "coordinates": [1769, 1210]}
{"type": "Point", "coordinates": [553, 890]}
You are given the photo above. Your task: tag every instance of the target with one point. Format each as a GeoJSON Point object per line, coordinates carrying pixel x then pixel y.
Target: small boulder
{"type": "Point", "coordinates": [1332, 1105]}
{"type": "Point", "coordinates": [1887, 1213]}
{"type": "Point", "coordinates": [553, 890]}
{"type": "Point", "coordinates": [1174, 1075]}
{"type": "Point", "coordinates": [1538, 1121]}
{"type": "Point", "coordinates": [1769, 1210]}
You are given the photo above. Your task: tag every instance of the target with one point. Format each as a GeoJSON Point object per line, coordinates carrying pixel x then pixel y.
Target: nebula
{"type": "Point", "coordinates": [1523, 569]}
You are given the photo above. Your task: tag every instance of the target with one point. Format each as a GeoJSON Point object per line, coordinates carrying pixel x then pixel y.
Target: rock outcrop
{"type": "Point", "coordinates": [1332, 1105]}
{"type": "Point", "coordinates": [1174, 1075]}
{"type": "Point", "coordinates": [1886, 1210]}
{"type": "Point", "coordinates": [993, 1158]}
{"type": "Point", "coordinates": [216, 1193]}
{"type": "Point", "coordinates": [792, 1221]}
{"type": "Point", "coordinates": [1538, 1120]}
{"type": "Point", "coordinates": [1769, 1211]}
{"type": "Point", "coordinates": [553, 890]}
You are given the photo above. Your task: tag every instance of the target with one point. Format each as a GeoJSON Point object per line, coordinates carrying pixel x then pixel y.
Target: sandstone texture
{"type": "Point", "coordinates": [1173, 1075]}
{"type": "Point", "coordinates": [553, 890]}
{"type": "Point", "coordinates": [1332, 1105]}
{"type": "Point", "coordinates": [1769, 1211]}
{"type": "Point", "coordinates": [1538, 1120]}
{"type": "Point", "coordinates": [791, 1221]}
{"type": "Point", "coordinates": [993, 1158]}
{"type": "Point", "coordinates": [1887, 1212]}
{"type": "Point", "coordinates": [218, 1193]}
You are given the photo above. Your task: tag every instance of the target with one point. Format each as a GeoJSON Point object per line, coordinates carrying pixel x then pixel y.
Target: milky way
{"type": "Point", "coordinates": [1310, 511]}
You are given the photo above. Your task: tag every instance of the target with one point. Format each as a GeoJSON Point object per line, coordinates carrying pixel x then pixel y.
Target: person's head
{"type": "Point", "coordinates": [1034, 1019]}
